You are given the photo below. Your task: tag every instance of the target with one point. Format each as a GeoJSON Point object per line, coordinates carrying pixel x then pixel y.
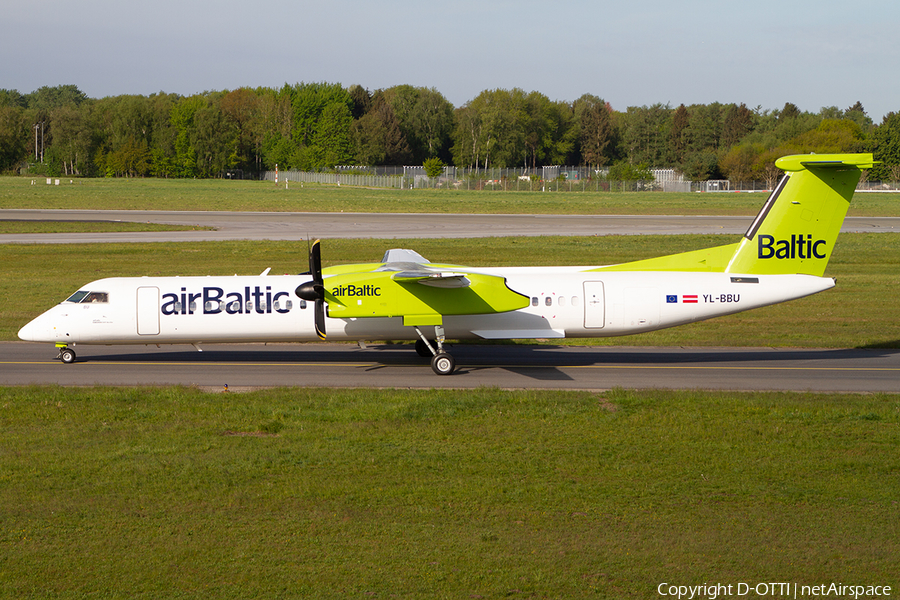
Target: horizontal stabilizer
{"type": "Point", "coordinates": [799, 162]}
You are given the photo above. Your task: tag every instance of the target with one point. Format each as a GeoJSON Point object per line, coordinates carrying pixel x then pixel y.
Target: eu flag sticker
{"type": "Point", "coordinates": [671, 299]}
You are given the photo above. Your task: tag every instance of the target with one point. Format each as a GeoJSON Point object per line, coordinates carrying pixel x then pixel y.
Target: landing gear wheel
{"type": "Point", "coordinates": [422, 349]}
{"type": "Point", "coordinates": [443, 364]}
{"type": "Point", "coordinates": [67, 356]}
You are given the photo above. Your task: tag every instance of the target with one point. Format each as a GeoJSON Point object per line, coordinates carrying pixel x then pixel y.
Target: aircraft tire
{"type": "Point", "coordinates": [443, 364]}
{"type": "Point", "coordinates": [422, 349]}
{"type": "Point", "coordinates": [67, 356]}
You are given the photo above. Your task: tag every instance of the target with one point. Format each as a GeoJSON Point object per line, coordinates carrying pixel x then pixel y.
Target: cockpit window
{"type": "Point", "coordinates": [77, 297]}
{"type": "Point", "coordinates": [84, 297]}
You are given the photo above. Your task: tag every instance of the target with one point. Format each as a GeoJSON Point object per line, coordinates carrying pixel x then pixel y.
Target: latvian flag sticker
{"type": "Point", "coordinates": [685, 298]}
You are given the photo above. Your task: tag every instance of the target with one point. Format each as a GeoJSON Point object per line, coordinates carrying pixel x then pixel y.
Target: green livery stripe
{"type": "Point", "coordinates": [709, 260]}
{"type": "Point", "coordinates": [375, 294]}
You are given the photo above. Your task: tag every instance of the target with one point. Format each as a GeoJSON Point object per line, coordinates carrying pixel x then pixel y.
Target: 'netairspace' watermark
{"type": "Point", "coordinates": [711, 591]}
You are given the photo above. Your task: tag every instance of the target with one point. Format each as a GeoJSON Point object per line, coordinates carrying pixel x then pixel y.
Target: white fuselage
{"type": "Point", "coordinates": [565, 302]}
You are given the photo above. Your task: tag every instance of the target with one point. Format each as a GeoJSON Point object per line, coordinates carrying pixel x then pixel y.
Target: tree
{"type": "Point", "coordinates": [681, 119]}
{"type": "Point", "coordinates": [885, 145]}
{"type": "Point", "coordinates": [361, 99]}
{"type": "Point", "coordinates": [54, 97]}
{"type": "Point", "coordinates": [331, 141]}
{"type": "Point", "coordinates": [425, 118]}
{"type": "Point", "coordinates": [737, 165]}
{"type": "Point", "coordinates": [790, 111]}
{"type": "Point", "coordinates": [75, 142]}
{"type": "Point", "coordinates": [183, 115]}
{"type": "Point", "coordinates": [241, 108]}
{"type": "Point", "coordinates": [857, 114]}
{"type": "Point", "coordinates": [467, 140]}
{"type": "Point", "coordinates": [625, 171]}
{"type": "Point", "coordinates": [491, 130]}
{"type": "Point", "coordinates": [434, 167]}
{"type": "Point", "coordinates": [596, 132]}
{"type": "Point", "coordinates": [377, 138]}
{"type": "Point", "coordinates": [13, 133]}
{"type": "Point", "coordinates": [738, 122]}
{"type": "Point", "coordinates": [647, 135]}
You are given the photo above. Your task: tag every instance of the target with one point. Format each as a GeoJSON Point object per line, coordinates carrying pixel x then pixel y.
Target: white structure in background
{"type": "Point", "coordinates": [670, 180]}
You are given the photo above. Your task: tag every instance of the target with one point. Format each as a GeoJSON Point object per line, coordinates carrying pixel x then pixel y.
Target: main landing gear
{"type": "Point", "coordinates": [66, 354]}
{"type": "Point", "coordinates": [442, 363]}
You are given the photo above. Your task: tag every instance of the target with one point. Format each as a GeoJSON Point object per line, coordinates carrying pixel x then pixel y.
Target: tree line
{"type": "Point", "coordinates": [315, 126]}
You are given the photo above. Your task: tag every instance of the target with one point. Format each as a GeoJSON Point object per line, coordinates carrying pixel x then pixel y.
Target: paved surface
{"type": "Point", "coordinates": [300, 226]}
{"type": "Point", "coordinates": [514, 367]}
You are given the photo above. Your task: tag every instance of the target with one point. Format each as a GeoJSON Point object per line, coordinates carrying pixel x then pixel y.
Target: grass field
{"type": "Point", "coordinates": [210, 194]}
{"type": "Point", "coordinates": [88, 227]}
{"type": "Point", "coordinates": [323, 493]}
{"type": "Point", "coordinates": [315, 493]}
{"type": "Point", "coordinates": [860, 311]}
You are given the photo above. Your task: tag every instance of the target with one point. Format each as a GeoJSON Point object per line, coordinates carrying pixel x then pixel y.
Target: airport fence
{"type": "Point", "coordinates": [543, 179]}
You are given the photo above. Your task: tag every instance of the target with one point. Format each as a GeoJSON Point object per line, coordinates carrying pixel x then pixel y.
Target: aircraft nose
{"type": "Point", "coordinates": [27, 333]}
{"type": "Point", "coordinates": [36, 331]}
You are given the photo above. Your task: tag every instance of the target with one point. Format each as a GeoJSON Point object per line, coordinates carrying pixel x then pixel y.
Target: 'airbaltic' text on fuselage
{"type": "Point", "coordinates": [796, 247]}
{"type": "Point", "coordinates": [215, 301]}
{"type": "Point", "coordinates": [356, 290]}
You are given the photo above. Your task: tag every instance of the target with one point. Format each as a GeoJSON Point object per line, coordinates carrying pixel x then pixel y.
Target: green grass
{"type": "Point", "coordinates": [210, 194]}
{"type": "Point", "coordinates": [317, 493]}
{"type": "Point", "coordinates": [860, 311]}
{"type": "Point", "coordinates": [90, 227]}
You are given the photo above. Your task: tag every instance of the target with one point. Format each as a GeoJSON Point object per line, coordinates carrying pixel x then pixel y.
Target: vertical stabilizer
{"type": "Point", "coordinates": [796, 229]}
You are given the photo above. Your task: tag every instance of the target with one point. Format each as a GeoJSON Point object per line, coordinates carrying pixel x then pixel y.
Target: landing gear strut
{"type": "Point", "coordinates": [66, 354]}
{"type": "Point", "coordinates": [442, 363]}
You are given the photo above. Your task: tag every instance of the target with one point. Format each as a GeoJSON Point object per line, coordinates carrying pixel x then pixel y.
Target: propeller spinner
{"type": "Point", "coordinates": [314, 291]}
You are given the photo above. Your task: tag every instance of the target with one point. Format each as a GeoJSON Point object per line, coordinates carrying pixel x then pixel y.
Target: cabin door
{"type": "Point", "coordinates": [148, 311]}
{"type": "Point", "coordinates": [594, 305]}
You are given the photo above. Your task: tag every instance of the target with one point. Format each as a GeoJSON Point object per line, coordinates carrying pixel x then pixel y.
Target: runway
{"type": "Point", "coordinates": [300, 226]}
{"type": "Point", "coordinates": [251, 366]}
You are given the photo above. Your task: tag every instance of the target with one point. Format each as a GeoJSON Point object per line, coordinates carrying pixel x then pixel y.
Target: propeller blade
{"type": "Point", "coordinates": [315, 262]}
{"type": "Point", "coordinates": [314, 291]}
{"type": "Point", "coordinates": [320, 318]}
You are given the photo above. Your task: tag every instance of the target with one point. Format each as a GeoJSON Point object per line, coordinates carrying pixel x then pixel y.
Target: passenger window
{"type": "Point", "coordinates": [548, 301]}
{"type": "Point", "coordinates": [562, 300]}
{"type": "Point", "coordinates": [574, 300]}
{"type": "Point", "coordinates": [302, 304]}
{"type": "Point", "coordinates": [534, 301]}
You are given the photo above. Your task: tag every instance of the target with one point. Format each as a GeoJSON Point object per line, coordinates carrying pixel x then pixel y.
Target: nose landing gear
{"type": "Point", "coordinates": [66, 354]}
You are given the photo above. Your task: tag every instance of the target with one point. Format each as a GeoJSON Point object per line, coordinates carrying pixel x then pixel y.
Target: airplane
{"type": "Point", "coordinates": [781, 257]}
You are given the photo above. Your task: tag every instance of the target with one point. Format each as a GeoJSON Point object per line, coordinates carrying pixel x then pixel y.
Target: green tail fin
{"type": "Point", "coordinates": [794, 232]}
{"type": "Point", "coordinates": [796, 229]}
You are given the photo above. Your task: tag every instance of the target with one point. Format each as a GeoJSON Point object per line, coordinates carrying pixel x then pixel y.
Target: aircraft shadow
{"type": "Point", "coordinates": [536, 361]}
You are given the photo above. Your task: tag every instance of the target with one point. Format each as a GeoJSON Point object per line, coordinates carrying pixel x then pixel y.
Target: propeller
{"type": "Point", "coordinates": [314, 291]}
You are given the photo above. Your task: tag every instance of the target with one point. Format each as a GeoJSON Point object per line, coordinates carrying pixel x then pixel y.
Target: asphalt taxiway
{"type": "Point", "coordinates": [533, 366]}
{"type": "Point", "coordinates": [507, 366]}
{"type": "Point", "coordinates": [302, 226]}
